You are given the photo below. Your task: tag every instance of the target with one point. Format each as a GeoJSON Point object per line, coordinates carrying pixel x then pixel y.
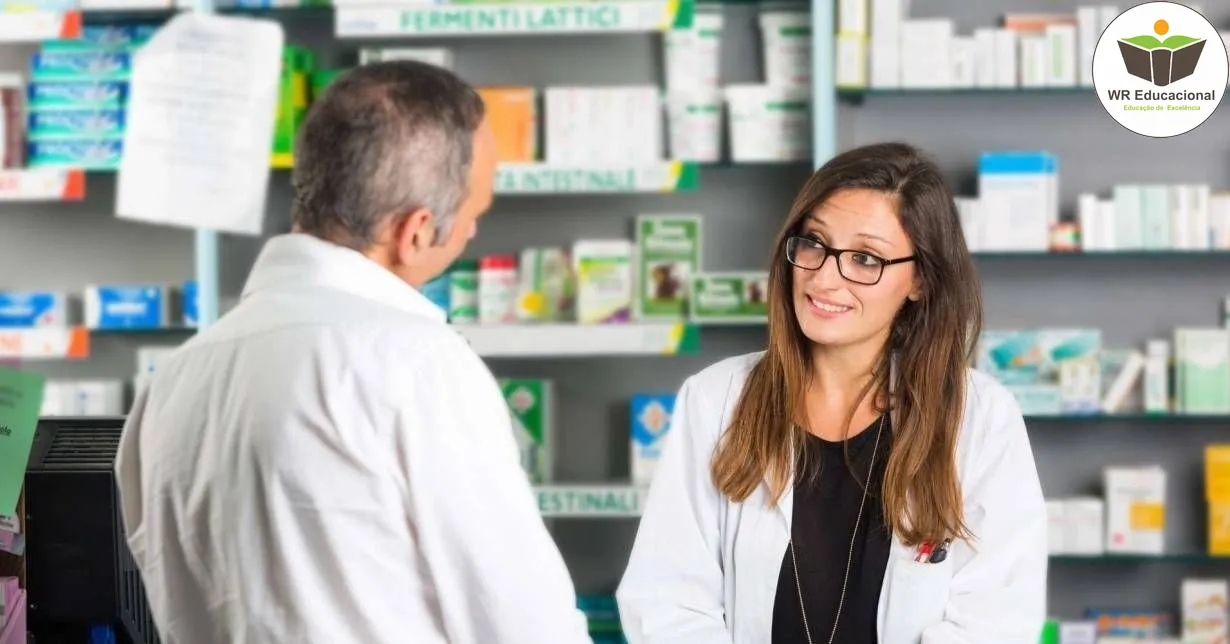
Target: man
{"type": "Point", "coordinates": [330, 462]}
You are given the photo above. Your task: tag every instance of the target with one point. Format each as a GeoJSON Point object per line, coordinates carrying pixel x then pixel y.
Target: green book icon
{"type": "Point", "coordinates": [1159, 61]}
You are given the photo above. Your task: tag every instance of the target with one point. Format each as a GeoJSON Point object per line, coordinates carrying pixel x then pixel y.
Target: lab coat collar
{"type": "Point", "coordinates": [297, 259]}
{"type": "Point", "coordinates": [785, 505]}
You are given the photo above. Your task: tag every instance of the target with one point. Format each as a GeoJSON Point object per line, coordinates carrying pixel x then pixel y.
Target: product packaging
{"type": "Point", "coordinates": [604, 281]}
{"type": "Point", "coordinates": [463, 292]}
{"type": "Point", "coordinates": [531, 403]}
{"type": "Point", "coordinates": [497, 289]}
{"type": "Point", "coordinates": [668, 254]}
{"type": "Point", "coordinates": [729, 297]}
{"type": "Point", "coordinates": [546, 291]}
{"type": "Point", "coordinates": [651, 418]}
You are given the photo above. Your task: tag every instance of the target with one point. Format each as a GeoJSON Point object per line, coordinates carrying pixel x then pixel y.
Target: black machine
{"type": "Point", "coordinates": [80, 575]}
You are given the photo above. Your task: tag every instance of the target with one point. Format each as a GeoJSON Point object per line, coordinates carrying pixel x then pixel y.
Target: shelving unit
{"type": "Point", "coordinates": [1133, 295]}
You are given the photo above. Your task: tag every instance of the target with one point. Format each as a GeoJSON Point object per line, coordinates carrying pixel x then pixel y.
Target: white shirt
{"type": "Point", "coordinates": [704, 569]}
{"type": "Point", "coordinates": [331, 463]}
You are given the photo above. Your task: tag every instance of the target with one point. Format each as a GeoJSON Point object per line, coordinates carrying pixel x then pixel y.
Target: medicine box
{"type": "Point", "coordinates": [1033, 356]}
{"type": "Point", "coordinates": [605, 280]}
{"type": "Point", "coordinates": [546, 289]}
{"type": "Point", "coordinates": [668, 251]}
{"type": "Point", "coordinates": [651, 419]}
{"type": "Point", "coordinates": [88, 153]}
{"type": "Point", "coordinates": [1135, 509]}
{"type": "Point", "coordinates": [729, 297]}
{"type": "Point", "coordinates": [81, 65]}
{"type": "Point", "coordinates": [513, 115]}
{"type": "Point", "coordinates": [75, 124]}
{"type": "Point", "coordinates": [30, 309]}
{"type": "Point", "coordinates": [438, 56]}
{"type": "Point", "coordinates": [1019, 191]}
{"type": "Point", "coordinates": [127, 307]}
{"type": "Point", "coordinates": [75, 95]}
{"type": "Point", "coordinates": [190, 303]}
{"type": "Point", "coordinates": [531, 404]}
{"type": "Point", "coordinates": [436, 291]}
{"type": "Point", "coordinates": [1204, 611]}
{"type": "Point", "coordinates": [83, 398]}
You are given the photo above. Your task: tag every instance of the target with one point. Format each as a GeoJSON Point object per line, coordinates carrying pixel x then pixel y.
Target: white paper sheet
{"type": "Point", "coordinates": [199, 129]}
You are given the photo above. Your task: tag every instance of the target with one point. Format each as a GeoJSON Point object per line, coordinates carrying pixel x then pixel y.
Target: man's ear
{"type": "Point", "coordinates": [414, 233]}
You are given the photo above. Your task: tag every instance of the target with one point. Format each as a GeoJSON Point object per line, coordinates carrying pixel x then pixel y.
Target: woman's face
{"type": "Point", "coordinates": [833, 311]}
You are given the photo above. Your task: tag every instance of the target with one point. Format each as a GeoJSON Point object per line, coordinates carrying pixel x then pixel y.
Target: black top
{"type": "Point", "coordinates": [826, 501]}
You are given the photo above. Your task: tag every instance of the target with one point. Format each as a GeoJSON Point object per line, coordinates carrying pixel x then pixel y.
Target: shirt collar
{"type": "Point", "coordinates": [297, 259]}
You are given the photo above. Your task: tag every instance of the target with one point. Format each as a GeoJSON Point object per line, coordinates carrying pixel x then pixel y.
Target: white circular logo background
{"type": "Point", "coordinates": [1160, 69]}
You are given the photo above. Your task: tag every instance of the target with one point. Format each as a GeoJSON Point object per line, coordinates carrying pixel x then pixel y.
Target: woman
{"type": "Point", "coordinates": [856, 482]}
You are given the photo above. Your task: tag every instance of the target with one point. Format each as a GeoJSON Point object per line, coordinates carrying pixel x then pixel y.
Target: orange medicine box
{"type": "Point", "coordinates": [513, 114]}
{"type": "Point", "coordinates": [1217, 473]}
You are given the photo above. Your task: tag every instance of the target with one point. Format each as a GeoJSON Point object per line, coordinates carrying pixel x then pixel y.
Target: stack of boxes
{"type": "Point", "coordinates": [1017, 205]}
{"type": "Point", "coordinates": [1024, 50]}
{"type": "Point", "coordinates": [104, 308]}
{"type": "Point", "coordinates": [1050, 371]}
{"type": "Point", "coordinates": [77, 95]}
{"type": "Point", "coordinates": [656, 276]}
{"type": "Point", "coordinates": [298, 66]}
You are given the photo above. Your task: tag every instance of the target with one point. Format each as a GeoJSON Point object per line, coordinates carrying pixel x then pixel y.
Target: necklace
{"type": "Point", "coordinates": [841, 601]}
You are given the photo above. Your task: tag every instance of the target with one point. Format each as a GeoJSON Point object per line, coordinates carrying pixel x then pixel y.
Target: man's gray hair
{"type": "Point", "coordinates": [383, 140]}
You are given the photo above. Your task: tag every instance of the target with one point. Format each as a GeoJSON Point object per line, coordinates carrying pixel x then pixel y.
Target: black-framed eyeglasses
{"type": "Point", "coordinates": [856, 266]}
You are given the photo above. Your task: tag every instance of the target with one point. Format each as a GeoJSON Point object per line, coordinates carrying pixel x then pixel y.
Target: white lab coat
{"type": "Point", "coordinates": [704, 570]}
{"type": "Point", "coordinates": [331, 463]}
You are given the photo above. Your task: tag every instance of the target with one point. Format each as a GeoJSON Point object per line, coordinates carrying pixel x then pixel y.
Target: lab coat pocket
{"type": "Point", "coordinates": [918, 593]}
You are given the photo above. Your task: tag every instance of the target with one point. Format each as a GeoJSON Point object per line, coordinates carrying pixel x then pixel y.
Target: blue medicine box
{"type": "Point", "coordinates": [190, 303]}
{"type": "Point", "coordinates": [77, 95]}
{"type": "Point", "coordinates": [127, 307]}
{"type": "Point", "coordinates": [437, 291]}
{"type": "Point", "coordinates": [97, 65]}
{"type": "Point", "coordinates": [75, 124]}
{"type": "Point", "coordinates": [33, 309]}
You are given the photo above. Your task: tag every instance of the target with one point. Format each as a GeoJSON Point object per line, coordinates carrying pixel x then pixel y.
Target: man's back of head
{"type": "Point", "coordinates": [395, 160]}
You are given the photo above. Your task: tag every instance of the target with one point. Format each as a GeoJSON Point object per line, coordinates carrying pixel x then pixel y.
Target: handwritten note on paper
{"type": "Point", "coordinates": [21, 400]}
{"type": "Point", "coordinates": [200, 124]}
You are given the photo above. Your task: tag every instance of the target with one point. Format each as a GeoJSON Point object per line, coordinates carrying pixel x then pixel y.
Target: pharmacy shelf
{"type": "Point", "coordinates": [37, 26]}
{"type": "Point", "coordinates": [557, 178]}
{"type": "Point", "coordinates": [1135, 418]}
{"type": "Point", "coordinates": [858, 95]}
{"type": "Point", "coordinates": [554, 178]}
{"type": "Point", "coordinates": [590, 501]}
{"type": "Point", "coordinates": [580, 340]}
{"type": "Point", "coordinates": [1172, 558]}
{"type": "Point", "coordinates": [1109, 255]}
{"type": "Point", "coordinates": [42, 185]}
{"type": "Point", "coordinates": [69, 343]}
{"type": "Point", "coordinates": [459, 18]}
{"type": "Point", "coordinates": [165, 330]}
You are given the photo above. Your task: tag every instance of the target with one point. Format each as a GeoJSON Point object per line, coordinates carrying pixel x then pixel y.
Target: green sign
{"type": "Point", "coordinates": [598, 501]}
{"type": "Point", "coordinates": [487, 18]}
{"type": "Point", "coordinates": [21, 400]}
{"type": "Point", "coordinates": [543, 178]}
{"type": "Point", "coordinates": [504, 19]}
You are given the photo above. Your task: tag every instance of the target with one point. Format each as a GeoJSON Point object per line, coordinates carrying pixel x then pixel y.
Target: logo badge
{"type": "Point", "coordinates": [1160, 69]}
{"type": "Point", "coordinates": [655, 418]}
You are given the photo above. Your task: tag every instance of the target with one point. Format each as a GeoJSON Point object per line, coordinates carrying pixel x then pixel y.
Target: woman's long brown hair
{"type": "Point", "coordinates": [931, 346]}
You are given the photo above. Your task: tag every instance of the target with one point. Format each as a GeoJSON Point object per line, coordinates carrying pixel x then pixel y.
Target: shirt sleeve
{"type": "Point", "coordinates": [128, 476]}
{"type": "Point", "coordinates": [998, 591]}
{"type": "Point", "coordinates": [672, 591]}
{"type": "Point", "coordinates": [497, 572]}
